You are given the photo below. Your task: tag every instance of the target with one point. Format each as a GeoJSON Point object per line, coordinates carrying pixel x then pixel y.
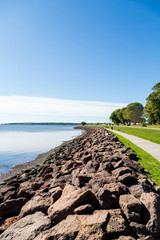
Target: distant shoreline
{"type": "Point", "coordinates": [41, 123]}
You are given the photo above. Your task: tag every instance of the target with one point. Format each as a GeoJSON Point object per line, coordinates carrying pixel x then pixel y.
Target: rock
{"type": "Point", "coordinates": [126, 178]}
{"type": "Point", "coordinates": [131, 207]}
{"type": "Point", "coordinates": [11, 207]}
{"type": "Point", "coordinates": [151, 212]}
{"type": "Point", "coordinates": [7, 223]}
{"type": "Point", "coordinates": [27, 189]}
{"type": "Point", "coordinates": [119, 164]}
{"type": "Point", "coordinates": [55, 194]}
{"type": "Point", "coordinates": [86, 158]}
{"type": "Point", "coordinates": [126, 238]}
{"type": "Point", "coordinates": [27, 228]}
{"type": "Point", "coordinates": [84, 209]}
{"type": "Point", "coordinates": [104, 197]}
{"type": "Point", "coordinates": [117, 188]}
{"type": "Point", "coordinates": [37, 203]}
{"type": "Point", "coordinates": [66, 204]}
{"type": "Point", "coordinates": [139, 229]}
{"type": "Point", "coordinates": [121, 171]}
{"type": "Point", "coordinates": [6, 189]}
{"type": "Point", "coordinates": [68, 189]}
{"type": "Point", "coordinates": [143, 185]}
{"type": "Point", "coordinates": [117, 225]}
{"type": "Point", "coordinates": [79, 227]}
{"type": "Point", "coordinates": [147, 238]}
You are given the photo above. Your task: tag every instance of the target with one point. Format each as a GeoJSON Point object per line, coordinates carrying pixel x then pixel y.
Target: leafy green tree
{"type": "Point", "coordinates": [152, 108]}
{"type": "Point", "coordinates": [122, 116]}
{"type": "Point", "coordinates": [134, 113]}
{"type": "Point", "coordinates": [114, 117]}
{"type": "Point", "coordinates": [83, 123]}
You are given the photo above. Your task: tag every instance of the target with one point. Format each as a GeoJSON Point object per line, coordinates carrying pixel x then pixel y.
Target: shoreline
{"type": "Point", "coordinates": [91, 181]}
{"type": "Point", "coordinates": [39, 159]}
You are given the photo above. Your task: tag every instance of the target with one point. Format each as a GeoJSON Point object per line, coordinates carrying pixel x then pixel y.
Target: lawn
{"type": "Point", "coordinates": [148, 134]}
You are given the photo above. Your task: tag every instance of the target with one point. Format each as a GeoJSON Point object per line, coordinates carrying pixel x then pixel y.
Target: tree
{"type": "Point", "coordinates": [122, 116]}
{"type": "Point", "coordinates": [83, 123]}
{"type": "Point", "coordinates": [152, 108]}
{"type": "Point", "coordinates": [134, 113]}
{"type": "Point", "coordinates": [114, 116]}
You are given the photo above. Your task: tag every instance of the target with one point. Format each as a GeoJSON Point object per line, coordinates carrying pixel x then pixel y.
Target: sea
{"type": "Point", "coordinates": [22, 143]}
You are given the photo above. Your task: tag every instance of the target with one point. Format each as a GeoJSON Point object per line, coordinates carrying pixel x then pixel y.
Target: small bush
{"type": "Point", "coordinates": [144, 124]}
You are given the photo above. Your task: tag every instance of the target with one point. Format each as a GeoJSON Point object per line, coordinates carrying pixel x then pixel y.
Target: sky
{"type": "Point", "coordinates": [76, 60]}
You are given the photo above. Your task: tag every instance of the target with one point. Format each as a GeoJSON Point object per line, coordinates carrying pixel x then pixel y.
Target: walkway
{"type": "Point", "coordinates": [149, 147]}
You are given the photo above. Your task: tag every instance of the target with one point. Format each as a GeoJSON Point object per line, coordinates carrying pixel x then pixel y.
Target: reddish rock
{"type": "Point", "coordinates": [84, 209]}
{"type": "Point", "coordinates": [151, 202]}
{"type": "Point", "coordinates": [68, 189]}
{"type": "Point", "coordinates": [117, 225]}
{"type": "Point", "coordinates": [131, 207]}
{"type": "Point", "coordinates": [116, 188]}
{"type": "Point", "coordinates": [7, 223]}
{"type": "Point", "coordinates": [6, 189]}
{"type": "Point", "coordinates": [127, 178]}
{"type": "Point", "coordinates": [121, 171]}
{"type": "Point", "coordinates": [79, 227]}
{"type": "Point", "coordinates": [66, 204]}
{"type": "Point", "coordinates": [55, 194]}
{"type": "Point", "coordinates": [105, 198]}
{"type": "Point", "coordinates": [37, 203]}
{"type": "Point", "coordinates": [126, 238]}
{"type": "Point", "coordinates": [27, 228]}
{"type": "Point", "coordinates": [86, 158]}
{"type": "Point", "coordinates": [139, 228]}
{"type": "Point", "coordinates": [11, 207]}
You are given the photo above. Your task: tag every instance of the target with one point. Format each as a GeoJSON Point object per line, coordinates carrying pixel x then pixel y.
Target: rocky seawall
{"type": "Point", "coordinates": [89, 188]}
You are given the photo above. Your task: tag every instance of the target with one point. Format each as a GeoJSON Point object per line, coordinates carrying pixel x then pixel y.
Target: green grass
{"type": "Point", "coordinates": [148, 134]}
{"type": "Point", "coordinates": [151, 164]}
{"type": "Point", "coordinates": [148, 126]}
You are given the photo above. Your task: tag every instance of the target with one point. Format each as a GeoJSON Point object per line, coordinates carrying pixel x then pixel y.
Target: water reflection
{"type": "Point", "coordinates": [17, 147]}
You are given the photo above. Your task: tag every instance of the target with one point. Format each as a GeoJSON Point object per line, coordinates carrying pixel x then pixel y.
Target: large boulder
{"type": "Point", "coordinates": [66, 204]}
{"type": "Point", "coordinates": [105, 198]}
{"type": "Point", "coordinates": [27, 228]}
{"type": "Point", "coordinates": [11, 207]}
{"type": "Point", "coordinates": [151, 202]}
{"type": "Point", "coordinates": [79, 227]}
{"type": "Point", "coordinates": [116, 188]}
{"type": "Point", "coordinates": [131, 207]}
{"type": "Point", "coordinates": [37, 203]}
{"type": "Point", "coordinates": [121, 171]}
{"type": "Point", "coordinates": [117, 225]}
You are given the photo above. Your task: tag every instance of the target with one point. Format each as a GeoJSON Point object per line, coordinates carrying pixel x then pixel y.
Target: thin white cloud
{"type": "Point", "coordinates": [45, 108]}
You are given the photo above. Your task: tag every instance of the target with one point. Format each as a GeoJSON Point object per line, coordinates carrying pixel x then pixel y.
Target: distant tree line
{"type": "Point", "coordinates": [136, 113]}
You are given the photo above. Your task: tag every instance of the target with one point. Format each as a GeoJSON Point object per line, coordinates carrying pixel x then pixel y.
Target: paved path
{"type": "Point", "coordinates": [149, 147]}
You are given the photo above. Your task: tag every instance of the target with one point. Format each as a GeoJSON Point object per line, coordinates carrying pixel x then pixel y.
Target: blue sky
{"type": "Point", "coordinates": [106, 52]}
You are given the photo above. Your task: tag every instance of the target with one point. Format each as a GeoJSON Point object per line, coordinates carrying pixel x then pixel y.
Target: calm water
{"type": "Point", "coordinates": [22, 143]}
